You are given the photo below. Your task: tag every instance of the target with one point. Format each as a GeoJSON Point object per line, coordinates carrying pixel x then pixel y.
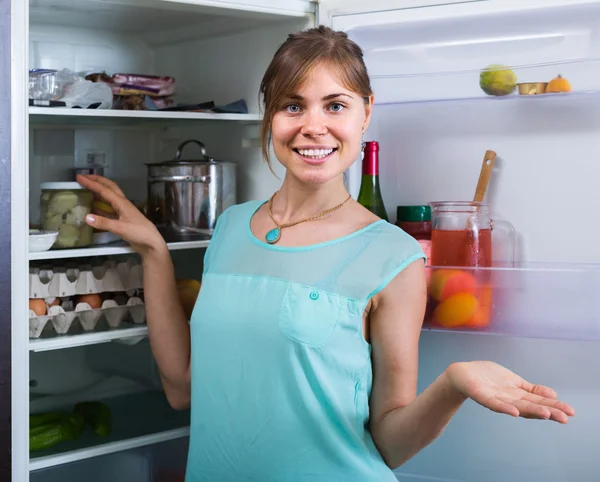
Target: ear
{"type": "Point", "coordinates": [368, 112]}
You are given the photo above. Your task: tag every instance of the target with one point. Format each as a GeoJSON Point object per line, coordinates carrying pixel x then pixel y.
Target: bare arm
{"type": "Point", "coordinates": [403, 423]}
{"type": "Point", "coordinates": [168, 330]}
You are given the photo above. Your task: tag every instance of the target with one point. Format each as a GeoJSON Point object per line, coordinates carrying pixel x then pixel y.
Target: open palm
{"type": "Point", "coordinates": [498, 389]}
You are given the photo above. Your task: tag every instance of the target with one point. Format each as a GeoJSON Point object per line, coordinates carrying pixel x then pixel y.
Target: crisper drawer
{"type": "Point", "coordinates": [438, 53]}
{"type": "Point", "coordinates": [129, 466]}
{"type": "Point", "coordinates": [164, 462]}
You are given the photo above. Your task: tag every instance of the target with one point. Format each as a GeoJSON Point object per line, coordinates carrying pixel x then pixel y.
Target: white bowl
{"type": "Point", "coordinates": [41, 240]}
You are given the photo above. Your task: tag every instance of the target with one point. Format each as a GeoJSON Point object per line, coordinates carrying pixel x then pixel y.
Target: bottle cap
{"type": "Point", "coordinates": [372, 146]}
{"type": "Point", "coordinates": [411, 214]}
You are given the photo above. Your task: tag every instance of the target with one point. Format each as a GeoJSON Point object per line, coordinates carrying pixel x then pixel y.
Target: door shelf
{"type": "Point", "coordinates": [552, 301]}
{"type": "Point", "coordinates": [108, 250]}
{"type": "Point", "coordinates": [138, 420]}
{"type": "Point", "coordinates": [573, 98]}
{"type": "Point", "coordinates": [66, 116]}
{"type": "Point", "coordinates": [125, 333]}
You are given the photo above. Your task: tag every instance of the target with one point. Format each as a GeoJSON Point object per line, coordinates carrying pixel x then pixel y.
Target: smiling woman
{"type": "Point", "coordinates": [301, 363]}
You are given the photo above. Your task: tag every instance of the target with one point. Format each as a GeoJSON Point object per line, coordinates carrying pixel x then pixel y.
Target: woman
{"type": "Point", "coordinates": [302, 359]}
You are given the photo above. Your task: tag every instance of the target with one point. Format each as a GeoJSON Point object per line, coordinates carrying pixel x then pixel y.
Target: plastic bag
{"type": "Point", "coordinates": [83, 93]}
{"type": "Point", "coordinates": [70, 88]}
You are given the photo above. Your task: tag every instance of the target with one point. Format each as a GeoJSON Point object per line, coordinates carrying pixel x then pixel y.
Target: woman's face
{"type": "Point", "coordinates": [317, 133]}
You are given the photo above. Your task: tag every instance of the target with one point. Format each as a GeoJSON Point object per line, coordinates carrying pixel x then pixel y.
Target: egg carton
{"type": "Point", "coordinates": [88, 318]}
{"type": "Point", "coordinates": [79, 279]}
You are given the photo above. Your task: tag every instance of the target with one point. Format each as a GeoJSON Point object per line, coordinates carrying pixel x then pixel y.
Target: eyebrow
{"type": "Point", "coordinates": [327, 97]}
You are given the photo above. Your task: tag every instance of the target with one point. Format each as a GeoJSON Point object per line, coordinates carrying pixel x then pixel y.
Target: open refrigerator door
{"type": "Point", "coordinates": [522, 78]}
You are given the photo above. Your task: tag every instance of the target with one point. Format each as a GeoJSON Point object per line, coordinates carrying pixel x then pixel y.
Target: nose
{"type": "Point", "coordinates": [314, 123]}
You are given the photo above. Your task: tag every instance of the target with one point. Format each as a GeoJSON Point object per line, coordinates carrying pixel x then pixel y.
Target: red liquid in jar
{"type": "Point", "coordinates": [461, 248]}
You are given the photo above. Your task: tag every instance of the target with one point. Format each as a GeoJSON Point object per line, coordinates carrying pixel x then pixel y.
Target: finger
{"type": "Point", "coordinates": [559, 416]}
{"type": "Point", "coordinates": [104, 224]}
{"type": "Point", "coordinates": [550, 403]}
{"type": "Point", "coordinates": [529, 409]}
{"type": "Point", "coordinates": [105, 214]}
{"type": "Point", "coordinates": [109, 183]}
{"type": "Point", "coordinates": [116, 201]}
{"type": "Point", "coordinates": [500, 406]}
{"type": "Point", "coordinates": [540, 390]}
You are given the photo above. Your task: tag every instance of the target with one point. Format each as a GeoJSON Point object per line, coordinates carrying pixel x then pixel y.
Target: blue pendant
{"type": "Point", "coordinates": [273, 236]}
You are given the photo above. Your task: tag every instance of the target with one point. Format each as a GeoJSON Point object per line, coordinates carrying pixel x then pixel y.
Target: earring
{"type": "Point", "coordinates": [363, 143]}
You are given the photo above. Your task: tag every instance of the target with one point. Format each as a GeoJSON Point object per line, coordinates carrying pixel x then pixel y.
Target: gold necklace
{"type": "Point", "coordinates": [275, 234]}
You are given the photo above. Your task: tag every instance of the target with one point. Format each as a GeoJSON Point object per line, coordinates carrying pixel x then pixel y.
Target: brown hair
{"type": "Point", "coordinates": [294, 61]}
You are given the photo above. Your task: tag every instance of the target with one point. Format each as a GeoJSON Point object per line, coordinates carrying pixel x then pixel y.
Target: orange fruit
{"type": "Point", "coordinates": [188, 290]}
{"type": "Point", "coordinates": [445, 283]}
{"type": "Point", "coordinates": [457, 310]}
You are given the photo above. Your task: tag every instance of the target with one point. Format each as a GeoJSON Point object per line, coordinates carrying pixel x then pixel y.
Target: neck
{"type": "Point", "coordinates": [296, 200]}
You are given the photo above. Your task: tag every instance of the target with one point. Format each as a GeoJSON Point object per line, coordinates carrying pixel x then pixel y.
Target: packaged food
{"type": "Point", "coordinates": [64, 206]}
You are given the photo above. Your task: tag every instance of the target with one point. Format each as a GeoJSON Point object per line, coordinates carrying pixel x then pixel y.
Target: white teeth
{"type": "Point", "coordinates": [315, 153]}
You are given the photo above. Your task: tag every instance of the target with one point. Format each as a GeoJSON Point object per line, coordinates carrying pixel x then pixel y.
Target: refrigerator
{"type": "Point", "coordinates": [433, 123]}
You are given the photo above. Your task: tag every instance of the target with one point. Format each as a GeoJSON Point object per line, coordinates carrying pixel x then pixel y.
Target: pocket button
{"type": "Point", "coordinates": [314, 295]}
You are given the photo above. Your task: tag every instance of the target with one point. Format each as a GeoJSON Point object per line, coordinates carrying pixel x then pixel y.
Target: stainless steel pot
{"type": "Point", "coordinates": [186, 196]}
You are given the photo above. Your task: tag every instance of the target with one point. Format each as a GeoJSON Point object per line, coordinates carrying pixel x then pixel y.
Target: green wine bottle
{"type": "Point", "coordinates": [369, 195]}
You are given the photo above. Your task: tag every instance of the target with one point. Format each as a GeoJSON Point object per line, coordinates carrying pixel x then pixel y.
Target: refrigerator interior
{"type": "Point", "coordinates": [214, 54]}
{"type": "Point", "coordinates": [434, 124]}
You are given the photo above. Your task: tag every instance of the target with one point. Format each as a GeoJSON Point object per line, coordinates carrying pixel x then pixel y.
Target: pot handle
{"type": "Point", "coordinates": [184, 143]}
{"type": "Point", "coordinates": [203, 179]}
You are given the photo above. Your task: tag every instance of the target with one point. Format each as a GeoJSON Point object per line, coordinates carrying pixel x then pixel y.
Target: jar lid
{"type": "Point", "coordinates": [56, 186]}
{"type": "Point", "coordinates": [412, 214]}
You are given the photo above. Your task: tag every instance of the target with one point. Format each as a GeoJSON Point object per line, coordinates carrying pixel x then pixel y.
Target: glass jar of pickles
{"type": "Point", "coordinates": [64, 206]}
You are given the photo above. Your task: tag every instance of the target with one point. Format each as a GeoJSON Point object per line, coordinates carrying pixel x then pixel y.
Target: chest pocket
{"type": "Point", "coordinates": [310, 316]}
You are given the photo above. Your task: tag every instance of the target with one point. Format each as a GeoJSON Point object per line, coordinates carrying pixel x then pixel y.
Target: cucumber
{"type": "Point", "coordinates": [97, 415]}
{"type": "Point", "coordinates": [43, 439]}
{"type": "Point", "coordinates": [38, 419]}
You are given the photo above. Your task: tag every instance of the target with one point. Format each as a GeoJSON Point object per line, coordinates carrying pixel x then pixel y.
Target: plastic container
{"type": "Point", "coordinates": [416, 221]}
{"type": "Point", "coordinates": [64, 206]}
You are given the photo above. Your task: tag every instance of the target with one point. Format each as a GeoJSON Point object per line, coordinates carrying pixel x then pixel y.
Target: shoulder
{"type": "Point", "coordinates": [392, 238]}
{"type": "Point", "coordinates": [393, 250]}
{"type": "Point", "coordinates": [237, 213]}
{"type": "Point", "coordinates": [243, 209]}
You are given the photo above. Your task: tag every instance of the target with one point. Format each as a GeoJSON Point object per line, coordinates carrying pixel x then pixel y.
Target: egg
{"type": "Point", "coordinates": [94, 300]}
{"type": "Point", "coordinates": [38, 305]}
{"type": "Point", "coordinates": [53, 302]}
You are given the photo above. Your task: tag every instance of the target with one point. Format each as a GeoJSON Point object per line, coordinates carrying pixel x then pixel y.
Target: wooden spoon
{"type": "Point", "coordinates": [482, 184]}
{"type": "Point", "coordinates": [484, 176]}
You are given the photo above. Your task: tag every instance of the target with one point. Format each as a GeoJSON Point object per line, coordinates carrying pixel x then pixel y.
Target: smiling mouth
{"type": "Point", "coordinates": [315, 154]}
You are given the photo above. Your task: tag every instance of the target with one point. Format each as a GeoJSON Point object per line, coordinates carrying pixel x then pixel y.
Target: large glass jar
{"type": "Point", "coordinates": [64, 206]}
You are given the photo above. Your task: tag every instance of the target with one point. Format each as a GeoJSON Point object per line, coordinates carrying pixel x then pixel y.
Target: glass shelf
{"type": "Point", "coordinates": [555, 301]}
{"type": "Point", "coordinates": [66, 116]}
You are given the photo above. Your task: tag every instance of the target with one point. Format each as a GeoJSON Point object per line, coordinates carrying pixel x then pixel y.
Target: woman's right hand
{"type": "Point", "coordinates": [130, 224]}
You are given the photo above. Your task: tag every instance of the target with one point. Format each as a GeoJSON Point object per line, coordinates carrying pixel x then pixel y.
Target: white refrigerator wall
{"type": "Point", "coordinates": [544, 183]}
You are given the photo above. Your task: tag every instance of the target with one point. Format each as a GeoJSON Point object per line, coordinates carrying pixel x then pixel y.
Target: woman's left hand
{"type": "Point", "coordinates": [497, 388]}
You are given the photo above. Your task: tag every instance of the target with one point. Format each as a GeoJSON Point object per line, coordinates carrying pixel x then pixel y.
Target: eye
{"type": "Point", "coordinates": [292, 108]}
{"type": "Point", "coordinates": [337, 107]}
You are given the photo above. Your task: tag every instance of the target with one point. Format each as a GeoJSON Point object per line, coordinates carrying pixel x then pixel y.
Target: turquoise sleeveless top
{"type": "Point", "coordinates": [281, 372]}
